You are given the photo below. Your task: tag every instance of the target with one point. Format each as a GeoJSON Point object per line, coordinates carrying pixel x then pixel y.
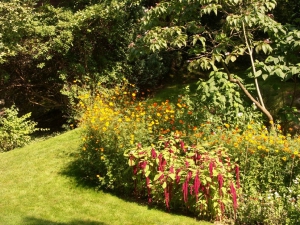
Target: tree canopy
{"type": "Point", "coordinates": [46, 46]}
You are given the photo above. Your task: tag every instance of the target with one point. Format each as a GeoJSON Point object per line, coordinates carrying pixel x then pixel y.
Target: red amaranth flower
{"type": "Point", "coordinates": [222, 206]}
{"type": "Point", "coordinates": [167, 144]}
{"type": "Point", "coordinates": [153, 153]}
{"type": "Point", "coordinates": [189, 175]}
{"type": "Point", "coordinates": [211, 168]}
{"type": "Point", "coordinates": [187, 164]}
{"type": "Point", "coordinates": [197, 184]}
{"type": "Point", "coordinates": [161, 177]}
{"type": "Point", "coordinates": [135, 169]}
{"type": "Point", "coordinates": [143, 164]}
{"type": "Point", "coordinates": [185, 186]}
{"type": "Point", "coordinates": [160, 156]}
{"type": "Point", "coordinates": [234, 196]}
{"type": "Point", "coordinates": [197, 157]}
{"type": "Point", "coordinates": [220, 181]}
{"type": "Point", "coordinates": [182, 146]}
{"type": "Point", "coordinates": [177, 176]}
{"type": "Point", "coordinates": [171, 169]}
{"type": "Point", "coordinates": [163, 164]}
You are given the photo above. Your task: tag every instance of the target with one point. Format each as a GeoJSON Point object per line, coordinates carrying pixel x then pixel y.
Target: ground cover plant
{"type": "Point", "coordinates": [36, 189]}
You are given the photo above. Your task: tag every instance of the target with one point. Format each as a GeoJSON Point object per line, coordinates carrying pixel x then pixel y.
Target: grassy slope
{"type": "Point", "coordinates": [34, 191]}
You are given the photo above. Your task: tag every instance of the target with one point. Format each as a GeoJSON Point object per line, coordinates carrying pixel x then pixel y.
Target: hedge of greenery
{"type": "Point", "coordinates": [173, 154]}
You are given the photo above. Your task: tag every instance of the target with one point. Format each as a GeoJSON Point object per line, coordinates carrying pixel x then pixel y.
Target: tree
{"type": "Point", "coordinates": [44, 46]}
{"type": "Point", "coordinates": [215, 34]}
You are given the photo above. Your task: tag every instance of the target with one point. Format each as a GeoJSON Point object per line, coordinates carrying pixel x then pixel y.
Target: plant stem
{"type": "Point", "coordinates": [250, 50]}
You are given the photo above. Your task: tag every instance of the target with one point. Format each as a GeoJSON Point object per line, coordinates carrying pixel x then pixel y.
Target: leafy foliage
{"type": "Point", "coordinates": [14, 130]}
{"type": "Point", "coordinates": [53, 46]}
{"type": "Point", "coordinates": [240, 29]}
{"type": "Point", "coordinates": [199, 177]}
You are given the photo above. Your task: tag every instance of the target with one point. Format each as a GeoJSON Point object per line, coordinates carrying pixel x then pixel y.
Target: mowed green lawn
{"type": "Point", "coordinates": [35, 191]}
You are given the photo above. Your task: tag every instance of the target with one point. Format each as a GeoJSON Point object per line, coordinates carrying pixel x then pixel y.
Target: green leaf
{"type": "Point", "coordinates": [233, 58]}
{"type": "Point", "coordinates": [164, 185]}
{"type": "Point", "coordinates": [258, 73]}
{"type": "Point", "coordinates": [295, 70]}
{"type": "Point", "coordinates": [172, 176]}
{"type": "Point", "coordinates": [265, 76]}
{"type": "Point", "coordinates": [131, 162]}
{"type": "Point", "coordinates": [146, 168]}
{"type": "Point", "coordinates": [208, 179]}
{"type": "Point", "coordinates": [157, 176]}
{"type": "Point", "coordinates": [280, 73]}
{"type": "Point", "coordinates": [147, 173]}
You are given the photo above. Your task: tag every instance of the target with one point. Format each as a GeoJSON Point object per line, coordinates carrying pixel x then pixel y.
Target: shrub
{"type": "Point", "coordinates": [114, 121]}
{"type": "Point", "coordinates": [15, 131]}
{"type": "Point", "coordinates": [199, 177]}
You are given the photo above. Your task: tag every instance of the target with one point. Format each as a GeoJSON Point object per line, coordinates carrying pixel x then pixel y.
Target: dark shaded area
{"type": "Point", "coordinates": [73, 170]}
{"type": "Point", "coordinates": [36, 221]}
{"type": "Point", "coordinates": [53, 120]}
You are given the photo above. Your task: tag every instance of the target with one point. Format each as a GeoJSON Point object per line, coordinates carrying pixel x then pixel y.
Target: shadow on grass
{"type": "Point", "coordinates": [73, 171]}
{"type": "Point", "coordinates": [37, 221]}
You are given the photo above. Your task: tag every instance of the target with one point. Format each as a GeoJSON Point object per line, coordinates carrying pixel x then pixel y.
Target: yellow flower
{"type": "Point", "coordinates": [179, 105]}
{"type": "Point", "coordinates": [102, 158]}
{"type": "Point", "coordinates": [226, 125]}
{"type": "Point", "coordinates": [284, 158]}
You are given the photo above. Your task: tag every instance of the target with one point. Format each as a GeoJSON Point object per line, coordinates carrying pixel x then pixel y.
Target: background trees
{"type": "Point", "coordinates": [47, 47]}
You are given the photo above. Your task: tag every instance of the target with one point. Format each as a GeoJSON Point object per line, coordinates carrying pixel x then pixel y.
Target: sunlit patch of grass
{"type": "Point", "coordinates": [34, 191]}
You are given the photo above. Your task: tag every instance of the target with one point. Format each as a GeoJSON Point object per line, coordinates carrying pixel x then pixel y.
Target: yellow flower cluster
{"type": "Point", "coordinates": [118, 119]}
{"type": "Point", "coordinates": [256, 139]}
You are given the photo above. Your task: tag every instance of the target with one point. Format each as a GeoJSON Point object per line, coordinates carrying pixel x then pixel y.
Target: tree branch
{"type": "Point", "coordinates": [248, 94]}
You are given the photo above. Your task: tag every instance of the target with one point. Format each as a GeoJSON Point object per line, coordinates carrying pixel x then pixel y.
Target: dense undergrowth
{"type": "Point", "coordinates": [179, 154]}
